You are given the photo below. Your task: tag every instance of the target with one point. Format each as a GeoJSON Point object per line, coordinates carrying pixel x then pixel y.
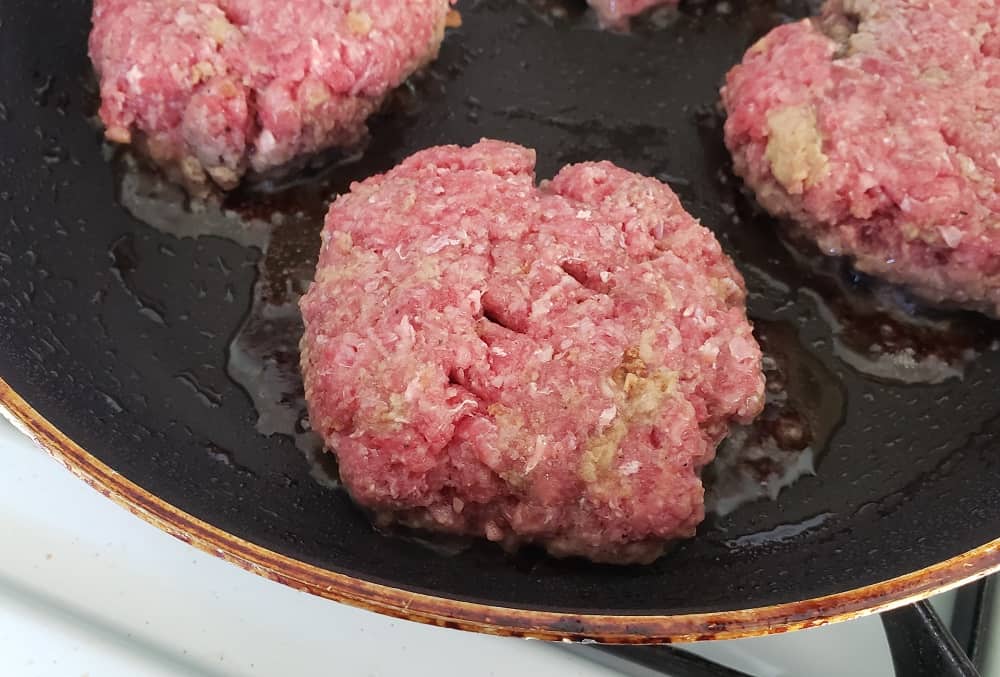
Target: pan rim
{"type": "Point", "coordinates": [483, 618]}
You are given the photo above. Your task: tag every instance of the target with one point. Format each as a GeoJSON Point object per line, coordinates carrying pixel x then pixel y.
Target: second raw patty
{"type": "Point", "coordinates": [212, 89]}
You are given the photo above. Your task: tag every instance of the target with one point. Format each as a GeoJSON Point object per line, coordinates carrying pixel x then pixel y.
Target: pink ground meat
{"type": "Point", "coordinates": [545, 364]}
{"type": "Point", "coordinates": [217, 87]}
{"type": "Point", "coordinates": [616, 13]}
{"type": "Point", "coordinates": [876, 127]}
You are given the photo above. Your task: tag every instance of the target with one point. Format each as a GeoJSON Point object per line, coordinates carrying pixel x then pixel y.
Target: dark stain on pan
{"type": "Point", "coordinates": [111, 328]}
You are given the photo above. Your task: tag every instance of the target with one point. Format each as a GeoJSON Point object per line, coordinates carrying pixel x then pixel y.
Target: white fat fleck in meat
{"type": "Point", "coordinates": [413, 389]}
{"type": "Point", "coordinates": [709, 350]}
{"type": "Point", "coordinates": [464, 405]}
{"type": "Point", "coordinates": [463, 355]}
{"type": "Point", "coordinates": [630, 468]}
{"type": "Point", "coordinates": [673, 338]}
{"type": "Point", "coordinates": [543, 354]}
{"type": "Point", "coordinates": [646, 342]}
{"type": "Point", "coordinates": [316, 56]}
{"type": "Point", "coordinates": [542, 305]}
{"type": "Point", "coordinates": [439, 242]}
{"type": "Point", "coordinates": [346, 355]}
{"type": "Point", "coordinates": [535, 390]}
{"type": "Point", "coordinates": [134, 75]}
{"type": "Point", "coordinates": [607, 416]}
{"type": "Point", "coordinates": [608, 234]}
{"type": "Point", "coordinates": [583, 214]}
{"type": "Point", "coordinates": [405, 331]}
{"type": "Point", "coordinates": [475, 300]}
{"type": "Point", "coordinates": [497, 350]}
{"type": "Point", "coordinates": [605, 275]}
{"type": "Point", "coordinates": [266, 142]}
{"type": "Point", "coordinates": [742, 348]}
{"type": "Point", "coordinates": [183, 18]}
{"type": "Point", "coordinates": [537, 453]}
{"type": "Point", "coordinates": [967, 165]}
{"type": "Point", "coordinates": [952, 236]}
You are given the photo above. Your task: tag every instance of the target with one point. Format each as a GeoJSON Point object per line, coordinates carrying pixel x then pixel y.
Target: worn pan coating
{"type": "Point", "coordinates": [115, 348]}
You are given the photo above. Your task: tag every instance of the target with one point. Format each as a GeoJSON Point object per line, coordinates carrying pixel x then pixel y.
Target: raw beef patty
{"type": "Point", "coordinates": [876, 127]}
{"type": "Point", "coordinates": [545, 364]}
{"type": "Point", "coordinates": [215, 87]}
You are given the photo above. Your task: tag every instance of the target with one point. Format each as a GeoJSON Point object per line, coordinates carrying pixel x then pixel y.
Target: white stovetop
{"type": "Point", "coordinates": [86, 589]}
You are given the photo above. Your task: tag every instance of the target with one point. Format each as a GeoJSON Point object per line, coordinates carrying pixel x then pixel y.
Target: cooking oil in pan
{"type": "Point", "coordinates": [263, 354]}
{"type": "Point", "coordinates": [804, 405]}
{"type": "Point", "coordinates": [873, 332]}
{"type": "Point", "coordinates": [885, 333]}
{"type": "Point", "coordinates": [804, 400]}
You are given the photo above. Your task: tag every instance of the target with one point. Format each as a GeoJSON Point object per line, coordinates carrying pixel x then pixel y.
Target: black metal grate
{"type": "Point", "coordinates": [920, 643]}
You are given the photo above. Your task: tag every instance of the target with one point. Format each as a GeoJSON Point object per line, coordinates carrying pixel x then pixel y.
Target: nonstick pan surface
{"type": "Point", "coordinates": [149, 344]}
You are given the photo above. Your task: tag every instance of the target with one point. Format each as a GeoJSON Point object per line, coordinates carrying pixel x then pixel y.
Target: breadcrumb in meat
{"type": "Point", "coordinates": [876, 127]}
{"type": "Point", "coordinates": [546, 364]}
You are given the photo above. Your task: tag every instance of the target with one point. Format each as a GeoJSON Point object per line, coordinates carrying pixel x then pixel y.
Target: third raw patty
{"type": "Point", "coordinates": [876, 127]}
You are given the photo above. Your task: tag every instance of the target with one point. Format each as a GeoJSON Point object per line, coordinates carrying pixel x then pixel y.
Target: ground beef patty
{"type": "Point", "coordinates": [217, 86]}
{"type": "Point", "coordinates": [547, 364]}
{"type": "Point", "coordinates": [876, 127]}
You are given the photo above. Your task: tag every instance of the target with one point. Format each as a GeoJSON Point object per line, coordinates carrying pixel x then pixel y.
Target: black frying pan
{"type": "Point", "coordinates": [149, 346]}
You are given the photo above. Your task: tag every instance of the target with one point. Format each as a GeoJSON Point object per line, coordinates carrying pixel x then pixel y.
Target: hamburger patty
{"type": "Point", "coordinates": [876, 127]}
{"type": "Point", "coordinates": [214, 88]}
{"type": "Point", "coordinates": [545, 364]}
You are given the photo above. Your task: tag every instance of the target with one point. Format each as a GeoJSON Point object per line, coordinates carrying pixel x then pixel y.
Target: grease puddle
{"type": "Point", "coordinates": [263, 354]}
{"type": "Point", "coordinates": [882, 331]}
{"type": "Point", "coordinates": [805, 404]}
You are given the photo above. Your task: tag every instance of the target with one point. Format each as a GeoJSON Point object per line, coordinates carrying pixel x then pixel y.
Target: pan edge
{"type": "Point", "coordinates": [476, 617]}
